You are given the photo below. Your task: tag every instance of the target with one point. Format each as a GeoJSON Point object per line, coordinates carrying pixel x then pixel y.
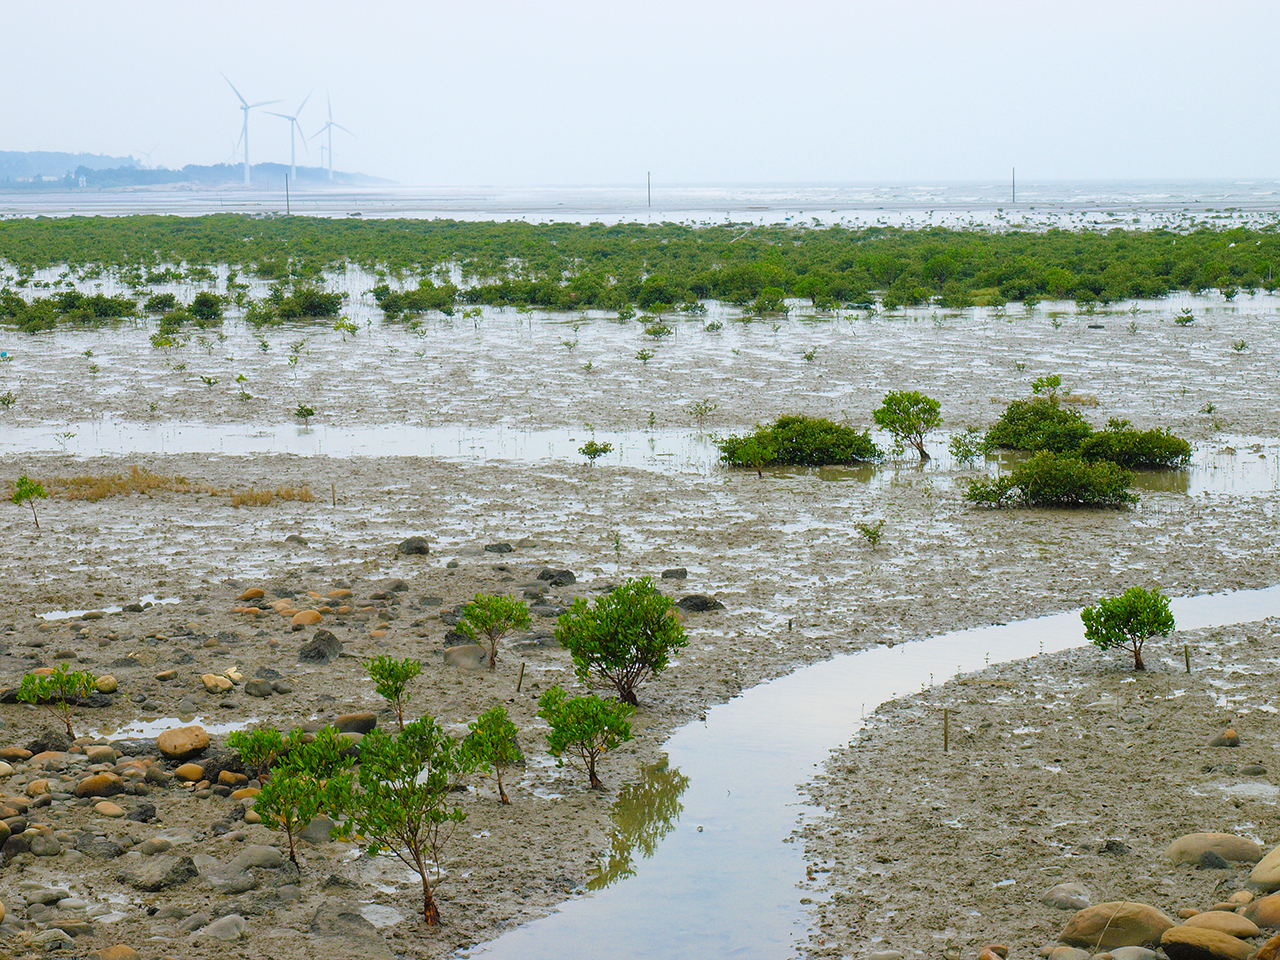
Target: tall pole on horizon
{"type": "Point", "coordinates": [1014, 184]}
{"type": "Point", "coordinates": [648, 179]}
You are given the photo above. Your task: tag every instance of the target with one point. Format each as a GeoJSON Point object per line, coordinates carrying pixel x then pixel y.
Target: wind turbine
{"type": "Point", "coordinates": [294, 125]}
{"type": "Point", "coordinates": [246, 106]}
{"type": "Point", "coordinates": [147, 154]}
{"type": "Point", "coordinates": [329, 126]}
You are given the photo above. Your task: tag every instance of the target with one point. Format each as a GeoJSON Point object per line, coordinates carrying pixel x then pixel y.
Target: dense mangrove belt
{"type": "Point", "coordinates": [563, 266]}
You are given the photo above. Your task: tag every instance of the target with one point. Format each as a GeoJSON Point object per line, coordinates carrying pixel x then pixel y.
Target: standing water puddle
{"type": "Point", "coordinates": [1236, 465]}
{"type": "Point", "coordinates": [722, 882]}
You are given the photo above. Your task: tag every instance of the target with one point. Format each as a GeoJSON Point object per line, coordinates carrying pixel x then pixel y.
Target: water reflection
{"type": "Point", "coordinates": [643, 814]}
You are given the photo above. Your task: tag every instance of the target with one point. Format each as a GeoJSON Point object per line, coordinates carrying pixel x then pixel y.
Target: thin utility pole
{"type": "Point", "coordinates": [1014, 184]}
{"type": "Point", "coordinates": [648, 178]}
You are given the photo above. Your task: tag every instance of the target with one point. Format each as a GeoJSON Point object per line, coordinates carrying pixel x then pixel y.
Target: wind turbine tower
{"type": "Point", "coordinates": [294, 125]}
{"type": "Point", "coordinates": [329, 127]}
{"type": "Point", "coordinates": [246, 106]}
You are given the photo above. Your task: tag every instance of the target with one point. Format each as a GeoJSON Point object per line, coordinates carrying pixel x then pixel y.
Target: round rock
{"type": "Point", "coordinates": [1119, 923]}
{"type": "Point", "coordinates": [1189, 848]}
{"type": "Point", "coordinates": [1199, 943]}
{"type": "Point", "coordinates": [182, 742]}
{"type": "Point", "coordinates": [1232, 924]}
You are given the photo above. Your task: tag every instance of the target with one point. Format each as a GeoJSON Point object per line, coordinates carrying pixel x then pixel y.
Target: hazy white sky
{"type": "Point", "coordinates": [698, 91]}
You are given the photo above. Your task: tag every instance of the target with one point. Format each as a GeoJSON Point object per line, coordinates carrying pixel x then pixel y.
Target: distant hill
{"type": "Point", "coordinates": [16, 165]}
{"type": "Point", "coordinates": [76, 171]}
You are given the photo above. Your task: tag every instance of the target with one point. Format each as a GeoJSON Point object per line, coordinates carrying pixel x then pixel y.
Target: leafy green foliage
{"type": "Point", "coordinates": [1129, 619]}
{"type": "Point", "coordinates": [624, 637]}
{"type": "Point", "coordinates": [1047, 385]}
{"type": "Point", "coordinates": [1136, 449]}
{"type": "Point", "coordinates": [584, 727]}
{"type": "Point", "coordinates": [58, 692]}
{"type": "Point", "coordinates": [1038, 423]}
{"type": "Point", "coordinates": [593, 451]}
{"type": "Point", "coordinates": [427, 296]}
{"type": "Point", "coordinates": [67, 306]}
{"type": "Point", "coordinates": [304, 413]}
{"type": "Point", "coordinates": [908, 415]}
{"type": "Point", "coordinates": [966, 447]}
{"type": "Point", "coordinates": [27, 490]}
{"type": "Point", "coordinates": [611, 266]}
{"type": "Point", "coordinates": [399, 799]}
{"type": "Point", "coordinates": [493, 616]}
{"type": "Point", "coordinates": [799, 440]}
{"type": "Point", "coordinates": [207, 306]}
{"type": "Point", "coordinates": [160, 303]}
{"type": "Point", "coordinates": [299, 788]}
{"type": "Point", "coordinates": [492, 743]}
{"type": "Point", "coordinates": [391, 679]}
{"type": "Point", "coordinates": [258, 748]}
{"type": "Point", "coordinates": [870, 532]}
{"type": "Point", "coordinates": [1056, 480]}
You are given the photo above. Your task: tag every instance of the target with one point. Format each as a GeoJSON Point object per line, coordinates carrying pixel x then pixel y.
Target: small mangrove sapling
{"type": "Point", "coordinates": [492, 617]}
{"type": "Point", "coordinates": [584, 727]}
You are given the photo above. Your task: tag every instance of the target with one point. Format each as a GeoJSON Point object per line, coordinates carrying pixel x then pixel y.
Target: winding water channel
{"type": "Point", "coordinates": [723, 880]}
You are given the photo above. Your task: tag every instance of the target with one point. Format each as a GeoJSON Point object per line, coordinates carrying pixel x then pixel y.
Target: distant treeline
{"type": "Point", "coordinates": [263, 174]}
{"type": "Point", "coordinates": [566, 266]}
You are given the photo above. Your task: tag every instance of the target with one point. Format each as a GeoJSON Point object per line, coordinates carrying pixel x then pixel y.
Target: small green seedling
{"type": "Point", "coordinates": [391, 678]}
{"type": "Point", "coordinates": [58, 692]}
{"type": "Point", "coordinates": [304, 413]}
{"type": "Point", "coordinates": [870, 532]}
{"type": "Point", "coordinates": [493, 616]}
{"type": "Point", "coordinates": [492, 743]}
{"type": "Point", "coordinates": [27, 490]}
{"type": "Point", "coordinates": [584, 727]}
{"type": "Point", "coordinates": [593, 451]}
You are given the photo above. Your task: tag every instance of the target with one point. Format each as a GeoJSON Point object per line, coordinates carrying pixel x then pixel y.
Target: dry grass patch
{"type": "Point", "coordinates": [95, 487]}
{"type": "Point", "coordinates": [261, 498]}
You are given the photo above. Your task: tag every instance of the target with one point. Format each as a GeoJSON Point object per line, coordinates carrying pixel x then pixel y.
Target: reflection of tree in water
{"type": "Point", "coordinates": [643, 814]}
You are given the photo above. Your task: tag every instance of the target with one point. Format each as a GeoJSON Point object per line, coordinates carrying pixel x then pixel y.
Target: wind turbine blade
{"type": "Point", "coordinates": [303, 135]}
{"type": "Point", "coordinates": [318, 132]}
{"type": "Point", "coordinates": [341, 127]}
{"type": "Point", "coordinates": [261, 103]}
{"type": "Point", "coordinates": [303, 103]}
{"type": "Point", "coordinates": [328, 98]}
{"type": "Point", "coordinates": [285, 115]}
{"type": "Point", "coordinates": [233, 87]}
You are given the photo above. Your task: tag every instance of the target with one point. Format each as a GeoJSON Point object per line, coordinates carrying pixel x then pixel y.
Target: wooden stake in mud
{"type": "Point", "coordinates": [946, 729]}
{"type": "Point", "coordinates": [520, 679]}
{"type": "Point", "coordinates": [789, 622]}
{"type": "Point", "coordinates": [1186, 656]}
{"type": "Point", "coordinates": [333, 492]}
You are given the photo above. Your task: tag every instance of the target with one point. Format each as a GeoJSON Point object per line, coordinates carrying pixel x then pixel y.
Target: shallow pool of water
{"type": "Point", "coordinates": [723, 881]}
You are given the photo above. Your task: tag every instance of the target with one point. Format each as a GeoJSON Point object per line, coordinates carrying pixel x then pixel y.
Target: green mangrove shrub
{"type": "Point", "coordinates": [1038, 423]}
{"type": "Point", "coordinates": [26, 490]}
{"type": "Point", "coordinates": [1056, 480]}
{"type": "Point", "coordinates": [492, 617]}
{"type": "Point", "coordinates": [299, 788]}
{"type": "Point", "coordinates": [624, 637]}
{"type": "Point", "coordinates": [492, 744]}
{"type": "Point", "coordinates": [1136, 449]}
{"type": "Point", "coordinates": [800, 441]}
{"type": "Point", "coordinates": [398, 801]}
{"type": "Point", "coordinates": [584, 727]}
{"type": "Point", "coordinates": [908, 416]}
{"type": "Point", "coordinates": [1129, 620]}
{"type": "Point", "coordinates": [58, 691]}
{"type": "Point", "coordinates": [391, 680]}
